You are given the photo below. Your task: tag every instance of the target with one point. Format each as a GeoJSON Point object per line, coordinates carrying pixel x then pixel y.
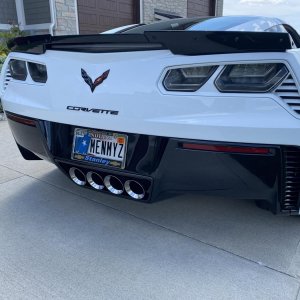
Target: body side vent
{"type": "Point", "coordinates": [289, 93]}
{"type": "Point", "coordinates": [7, 78]}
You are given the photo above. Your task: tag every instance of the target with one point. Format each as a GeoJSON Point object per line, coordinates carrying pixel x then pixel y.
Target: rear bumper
{"type": "Point", "coordinates": [166, 167]}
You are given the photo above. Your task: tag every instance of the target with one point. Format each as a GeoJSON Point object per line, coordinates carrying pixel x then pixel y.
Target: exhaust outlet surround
{"type": "Point", "coordinates": [95, 180]}
{"type": "Point", "coordinates": [114, 184]}
{"type": "Point", "coordinates": [77, 176]}
{"type": "Point", "coordinates": [134, 189]}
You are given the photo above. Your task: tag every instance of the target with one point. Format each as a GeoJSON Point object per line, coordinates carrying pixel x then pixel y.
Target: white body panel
{"type": "Point", "coordinates": [134, 88]}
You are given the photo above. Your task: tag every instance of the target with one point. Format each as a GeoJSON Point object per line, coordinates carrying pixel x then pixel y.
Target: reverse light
{"type": "Point", "coordinates": [251, 78]}
{"type": "Point", "coordinates": [18, 69]}
{"type": "Point", "coordinates": [188, 79]}
{"type": "Point", "coordinates": [38, 72]}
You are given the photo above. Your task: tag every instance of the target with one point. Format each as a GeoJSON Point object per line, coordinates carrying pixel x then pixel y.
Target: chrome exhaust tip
{"type": "Point", "coordinates": [134, 189]}
{"type": "Point", "coordinates": [114, 184]}
{"type": "Point", "coordinates": [95, 180]}
{"type": "Point", "coordinates": [77, 176]}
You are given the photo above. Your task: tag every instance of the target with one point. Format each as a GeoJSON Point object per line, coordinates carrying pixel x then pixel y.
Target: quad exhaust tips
{"type": "Point", "coordinates": [77, 176]}
{"type": "Point", "coordinates": [95, 181]}
{"type": "Point", "coordinates": [134, 189]}
{"type": "Point", "coordinates": [112, 183]}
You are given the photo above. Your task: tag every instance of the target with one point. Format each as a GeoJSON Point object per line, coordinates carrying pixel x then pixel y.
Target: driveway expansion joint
{"type": "Point", "coordinates": [168, 229]}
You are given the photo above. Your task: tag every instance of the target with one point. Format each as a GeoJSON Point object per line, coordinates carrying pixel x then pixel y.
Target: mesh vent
{"type": "Point", "coordinates": [289, 93]}
{"type": "Point", "coordinates": [291, 182]}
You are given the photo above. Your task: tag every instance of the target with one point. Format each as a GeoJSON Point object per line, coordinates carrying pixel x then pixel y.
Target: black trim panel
{"type": "Point", "coordinates": [146, 182]}
{"type": "Point", "coordinates": [169, 169]}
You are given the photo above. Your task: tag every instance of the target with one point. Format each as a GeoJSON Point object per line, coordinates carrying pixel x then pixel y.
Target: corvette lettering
{"type": "Point", "coordinates": [93, 110]}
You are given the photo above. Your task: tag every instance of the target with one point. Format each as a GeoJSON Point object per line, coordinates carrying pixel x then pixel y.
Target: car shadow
{"type": "Point", "coordinates": [60, 244]}
{"type": "Point", "coordinates": [236, 226]}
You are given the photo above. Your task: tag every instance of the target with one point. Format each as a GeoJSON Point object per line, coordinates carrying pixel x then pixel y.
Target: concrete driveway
{"type": "Point", "coordinates": [61, 242]}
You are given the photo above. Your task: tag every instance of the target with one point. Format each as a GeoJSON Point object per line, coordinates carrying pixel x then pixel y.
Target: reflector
{"type": "Point", "coordinates": [225, 148]}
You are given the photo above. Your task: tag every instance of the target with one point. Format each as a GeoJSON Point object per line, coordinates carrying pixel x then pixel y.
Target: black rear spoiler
{"type": "Point", "coordinates": [178, 42]}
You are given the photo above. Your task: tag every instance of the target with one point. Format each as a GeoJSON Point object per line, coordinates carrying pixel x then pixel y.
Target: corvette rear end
{"type": "Point", "coordinates": [148, 115]}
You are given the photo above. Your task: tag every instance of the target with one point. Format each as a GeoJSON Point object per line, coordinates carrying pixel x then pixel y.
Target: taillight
{"type": "Point", "coordinates": [187, 79]}
{"type": "Point", "coordinates": [251, 78]}
{"type": "Point", "coordinates": [38, 72]}
{"type": "Point", "coordinates": [18, 69]}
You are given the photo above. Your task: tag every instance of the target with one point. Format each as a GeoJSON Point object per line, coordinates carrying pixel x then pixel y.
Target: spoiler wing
{"type": "Point", "coordinates": [178, 42]}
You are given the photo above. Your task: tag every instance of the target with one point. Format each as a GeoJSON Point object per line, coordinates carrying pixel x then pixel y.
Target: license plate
{"type": "Point", "coordinates": [100, 147]}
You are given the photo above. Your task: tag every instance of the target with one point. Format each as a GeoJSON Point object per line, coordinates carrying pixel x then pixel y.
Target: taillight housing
{"type": "Point", "coordinates": [18, 69]}
{"type": "Point", "coordinates": [188, 79]}
{"type": "Point", "coordinates": [251, 78]}
{"type": "Point", "coordinates": [38, 72]}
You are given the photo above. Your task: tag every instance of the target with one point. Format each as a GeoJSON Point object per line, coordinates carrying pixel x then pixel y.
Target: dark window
{"type": "Point", "coordinates": [276, 28]}
{"type": "Point", "coordinates": [220, 24]}
{"type": "Point", "coordinates": [174, 24]}
{"type": "Point", "coordinates": [37, 11]}
{"type": "Point", "coordinates": [8, 12]}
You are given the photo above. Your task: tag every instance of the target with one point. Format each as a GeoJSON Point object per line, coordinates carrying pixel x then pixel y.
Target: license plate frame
{"type": "Point", "coordinates": [83, 136]}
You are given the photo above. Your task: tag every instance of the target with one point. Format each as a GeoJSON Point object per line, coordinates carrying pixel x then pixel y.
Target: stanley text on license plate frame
{"type": "Point", "coordinates": [100, 147]}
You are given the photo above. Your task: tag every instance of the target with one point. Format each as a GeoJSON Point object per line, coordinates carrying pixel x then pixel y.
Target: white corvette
{"type": "Point", "coordinates": [206, 105]}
